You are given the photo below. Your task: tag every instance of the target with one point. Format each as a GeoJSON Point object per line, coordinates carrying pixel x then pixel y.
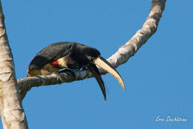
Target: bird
{"type": "Point", "coordinates": [71, 55]}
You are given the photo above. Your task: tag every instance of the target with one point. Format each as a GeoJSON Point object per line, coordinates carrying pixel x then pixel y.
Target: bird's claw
{"type": "Point", "coordinates": [58, 76]}
{"type": "Point", "coordinates": [68, 71]}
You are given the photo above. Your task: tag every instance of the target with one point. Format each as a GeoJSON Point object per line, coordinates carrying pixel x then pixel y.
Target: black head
{"type": "Point", "coordinates": [84, 53]}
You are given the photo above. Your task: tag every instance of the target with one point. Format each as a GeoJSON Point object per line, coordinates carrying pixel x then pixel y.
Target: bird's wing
{"type": "Point", "coordinates": [51, 53]}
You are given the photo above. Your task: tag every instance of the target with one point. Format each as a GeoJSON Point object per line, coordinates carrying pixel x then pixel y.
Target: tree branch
{"type": "Point", "coordinates": [12, 113]}
{"type": "Point", "coordinates": [120, 57]}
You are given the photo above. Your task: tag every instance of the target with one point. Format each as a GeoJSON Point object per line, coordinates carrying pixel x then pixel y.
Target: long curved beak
{"type": "Point", "coordinates": [95, 72]}
{"type": "Point", "coordinates": [101, 62]}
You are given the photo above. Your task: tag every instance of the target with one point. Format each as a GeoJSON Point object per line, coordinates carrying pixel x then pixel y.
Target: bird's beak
{"type": "Point", "coordinates": [96, 74]}
{"type": "Point", "coordinates": [101, 62]}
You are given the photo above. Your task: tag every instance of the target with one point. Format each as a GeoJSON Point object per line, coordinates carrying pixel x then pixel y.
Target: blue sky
{"type": "Point", "coordinates": [158, 79]}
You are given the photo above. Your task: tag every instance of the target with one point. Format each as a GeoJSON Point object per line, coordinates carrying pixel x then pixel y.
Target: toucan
{"type": "Point", "coordinates": [71, 55]}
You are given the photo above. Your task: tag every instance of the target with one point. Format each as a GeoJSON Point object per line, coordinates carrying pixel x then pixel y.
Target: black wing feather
{"type": "Point", "coordinates": [50, 53]}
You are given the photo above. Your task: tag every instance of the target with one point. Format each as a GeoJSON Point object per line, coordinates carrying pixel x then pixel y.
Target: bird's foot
{"type": "Point", "coordinates": [58, 76]}
{"type": "Point", "coordinates": [68, 71]}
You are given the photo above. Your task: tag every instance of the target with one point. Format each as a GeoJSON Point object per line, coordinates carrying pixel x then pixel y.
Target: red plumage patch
{"type": "Point", "coordinates": [55, 64]}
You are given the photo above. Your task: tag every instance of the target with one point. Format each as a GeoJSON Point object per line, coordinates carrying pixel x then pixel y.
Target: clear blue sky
{"type": "Point", "coordinates": [158, 79]}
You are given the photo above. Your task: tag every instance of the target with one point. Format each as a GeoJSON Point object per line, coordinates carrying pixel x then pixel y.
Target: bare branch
{"type": "Point", "coordinates": [12, 113]}
{"type": "Point", "coordinates": [120, 57]}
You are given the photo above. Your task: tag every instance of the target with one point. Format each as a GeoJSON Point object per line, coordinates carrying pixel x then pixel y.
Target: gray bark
{"type": "Point", "coordinates": [12, 113]}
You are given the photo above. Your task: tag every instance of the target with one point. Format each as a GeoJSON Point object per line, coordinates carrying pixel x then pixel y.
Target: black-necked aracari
{"type": "Point", "coordinates": [71, 55]}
